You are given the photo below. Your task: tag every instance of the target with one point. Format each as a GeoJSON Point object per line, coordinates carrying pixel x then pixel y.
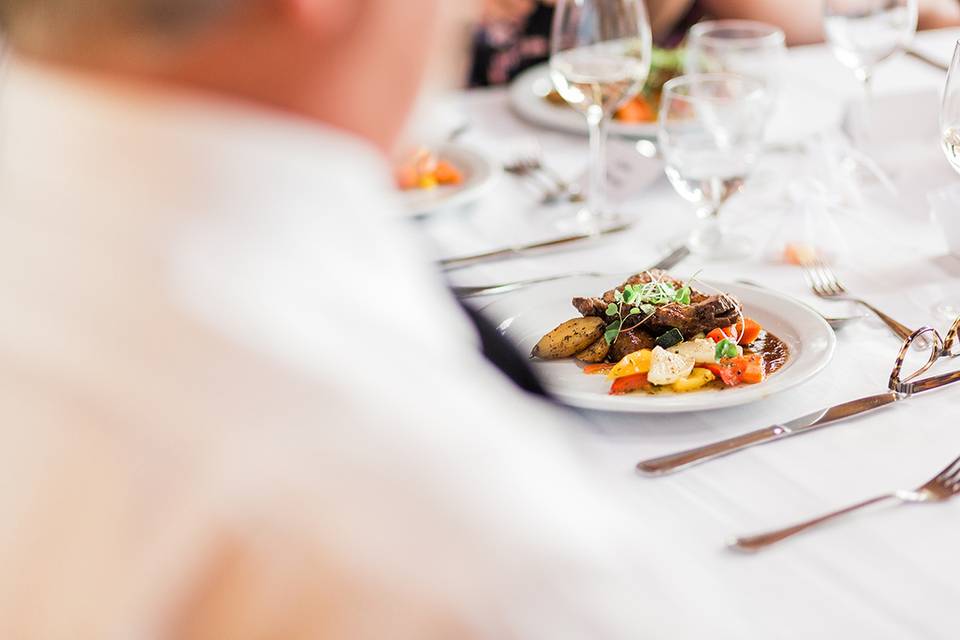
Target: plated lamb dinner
{"type": "Point", "coordinates": [656, 334]}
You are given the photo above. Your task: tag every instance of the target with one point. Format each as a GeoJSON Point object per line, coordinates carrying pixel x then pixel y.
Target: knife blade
{"type": "Point", "coordinates": [805, 424]}
{"type": "Point", "coordinates": [674, 258]}
{"type": "Point", "coordinates": [500, 254]}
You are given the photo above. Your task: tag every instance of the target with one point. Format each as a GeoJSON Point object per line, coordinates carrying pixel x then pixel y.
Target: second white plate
{"type": "Point", "coordinates": [524, 317]}
{"type": "Point", "coordinates": [527, 97]}
{"type": "Point", "coordinates": [480, 173]}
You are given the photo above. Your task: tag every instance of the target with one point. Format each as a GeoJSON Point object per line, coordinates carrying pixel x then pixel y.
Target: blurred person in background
{"type": "Point", "coordinates": [235, 400]}
{"type": "Point", "coordinates": [515, 34]}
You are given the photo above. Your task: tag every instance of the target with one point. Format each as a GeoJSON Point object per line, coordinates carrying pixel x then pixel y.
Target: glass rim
{"type": "Point", "coordinates": [669, 88]}
{"type": "Point", "coordinates": [765, 33]}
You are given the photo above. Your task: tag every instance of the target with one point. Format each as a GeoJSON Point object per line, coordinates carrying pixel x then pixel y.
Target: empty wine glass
{"type": "Point", "coordinates": [950, 142]}
{"type": "Point", "coordinates": [752, 49]}
{"type": "Point", "coordinates": [711, 133]}
{"type": "Point", "coordinates": [864, 33]}
{"type": "Point", "coordinates": [600, 58]}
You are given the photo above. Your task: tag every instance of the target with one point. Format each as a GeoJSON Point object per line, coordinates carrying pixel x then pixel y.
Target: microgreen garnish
{"type": "Point", "coordinates": [726, 349]}
{"type": "Point", "coordinates": [613, 331]}
{"type": "Point", "coordinates": [642, 299]}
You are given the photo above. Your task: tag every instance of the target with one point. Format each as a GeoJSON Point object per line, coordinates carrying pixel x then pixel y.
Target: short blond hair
{"type": "Point", "coordinates": [58, 25]}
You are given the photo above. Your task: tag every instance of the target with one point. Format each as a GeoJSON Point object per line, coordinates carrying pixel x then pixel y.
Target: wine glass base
{"type": "Point", "coordinates": [711, 243]}
{"type": "Point", "coordinates": [583, 221]}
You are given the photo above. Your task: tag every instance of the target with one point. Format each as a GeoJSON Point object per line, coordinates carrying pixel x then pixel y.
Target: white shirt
{"type": "Point", "coordinates": [235, 402]}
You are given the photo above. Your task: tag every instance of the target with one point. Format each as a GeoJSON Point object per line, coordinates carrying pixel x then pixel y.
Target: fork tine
{"type": "Point", "coordinates": [831, 274]}
{"type": "Point", "coordinates": [822, 282]}
{"type": "Point", "coordinates": [810, 276]}
{"type": "Point", "coordinates": [822, 276]}
{"type": "Point", "coordinates": [951, 473]}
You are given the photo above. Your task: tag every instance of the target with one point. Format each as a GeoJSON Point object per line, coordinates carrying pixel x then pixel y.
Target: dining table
{"type": "Point", "coordinates": [888, 573]}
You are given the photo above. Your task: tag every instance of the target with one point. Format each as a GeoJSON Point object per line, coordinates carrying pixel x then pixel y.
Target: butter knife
{"type": "Point", "coordinates": [500, 254]}
{"type": "Point", "coordinates": [674, 258]}
{"type": "Point", "coordinates": [812, 422]}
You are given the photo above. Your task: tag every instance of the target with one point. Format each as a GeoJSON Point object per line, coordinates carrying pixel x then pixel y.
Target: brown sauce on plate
{"type": "Point", "coordinates": [775, 352]}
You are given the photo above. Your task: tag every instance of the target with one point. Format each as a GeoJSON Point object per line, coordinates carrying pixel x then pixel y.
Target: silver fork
{"type": "Point", "coordinates": [554, 187]}
{"type": "Point", "coordinates": [940, 488]}
{"type": "Point", "coordinates": [825, 284]}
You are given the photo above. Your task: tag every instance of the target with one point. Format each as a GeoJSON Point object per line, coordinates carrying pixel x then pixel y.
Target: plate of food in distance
{"type": "Point", "coordinates": [534, 98]}
{"type": "Point", "coordinates": [449, 177]}
{"type": "Point", "coordinates": [658, 344]}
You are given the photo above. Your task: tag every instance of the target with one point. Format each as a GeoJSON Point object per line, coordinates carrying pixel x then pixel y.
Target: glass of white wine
{"type": "Point", "coordinates": [864, 33]}
{"type": "Point", "coordinates": [950, 141]}
{"type": "Point", "coordinates": [600, 58]}
{"type": "Point", "coordinates": [711, 133]}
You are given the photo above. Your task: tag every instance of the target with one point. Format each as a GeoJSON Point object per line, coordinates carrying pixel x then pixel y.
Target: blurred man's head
{"type": "Point", "coordinates": [355, 64]}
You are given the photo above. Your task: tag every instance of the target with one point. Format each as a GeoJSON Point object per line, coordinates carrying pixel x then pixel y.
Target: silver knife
{"type": "Point", "coordinates": [500, 254]}
{"type": "Point", "coordinates": [812, 422]}
{"type": "Point", "coordinates": [673, 259]}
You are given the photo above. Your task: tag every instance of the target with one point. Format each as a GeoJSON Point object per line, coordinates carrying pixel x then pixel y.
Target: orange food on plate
{"type": "Point", "coordinates": [744, 333]}
{"type": "Point", "coordinates": [424, 170]}
{"type": "Point", "coordinates": [628, 384]}
{"type": "Point", "coordinates": [636, 110]}
{"type": "Point", "coordinates": [602, 368]}
{"type": "Point", "coordinates": [448, 174]}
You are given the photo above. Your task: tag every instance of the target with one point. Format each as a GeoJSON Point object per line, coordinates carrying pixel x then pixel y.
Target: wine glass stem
{"type": "Point", "coordinates": [598, 162]}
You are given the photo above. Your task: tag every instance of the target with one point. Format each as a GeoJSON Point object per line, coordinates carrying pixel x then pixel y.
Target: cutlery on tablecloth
{"type": "Point", "coordinates": [922, 57]}
{"type": "Point", "coordinates": [900, 388]}
{"type": "Point", "coordinates": [507, 252]}
{"type": "Point", "coordinates": [671, 260]}
{"type": "Point", "coordinates": [835, 323]}
{"type": "Point", "coordinates": [942, 487]}
{"type": "Point", "coordinates": [555, 189]}
{"type": "Point", "coordinates": [825, 284]}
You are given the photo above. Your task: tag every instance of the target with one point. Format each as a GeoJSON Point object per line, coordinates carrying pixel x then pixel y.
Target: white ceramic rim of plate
{"type": "Point", "coordinates": [481, 174]}
{"type": "Point", "coordinates": [811, 340]}
{"type": "Point", "coordinates": [532, 107]}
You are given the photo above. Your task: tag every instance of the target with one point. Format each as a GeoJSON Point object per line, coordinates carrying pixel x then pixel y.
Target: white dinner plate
{"type": "Point", "coordinates": [525, 316]}
{"type": "Point", "coordinates": [479, 175]}
{"type": "Point", "coordinates": [803, 112]}
{"type": "Point", "coordinates": [527, 97]}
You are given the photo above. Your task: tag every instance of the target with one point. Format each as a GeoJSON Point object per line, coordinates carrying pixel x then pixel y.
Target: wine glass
{"type": "Point", "coordinates": [711, 134]}
{"type": "Point", "coordinates": [600, 58]}
{"type": "Point", "coordinates": [950, 143]}
{"type": "Point", "coordinates": [864, 33]}
{"type": "Point", "coordinates": [753, 49]}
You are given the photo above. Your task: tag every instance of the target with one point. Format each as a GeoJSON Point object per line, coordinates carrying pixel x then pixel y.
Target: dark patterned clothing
{"type": "Point", "coordinates": [502, 51]}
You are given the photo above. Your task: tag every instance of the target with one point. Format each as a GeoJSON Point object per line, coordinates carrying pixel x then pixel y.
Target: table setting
{"type": "Point", "coordinates": [815, 185]}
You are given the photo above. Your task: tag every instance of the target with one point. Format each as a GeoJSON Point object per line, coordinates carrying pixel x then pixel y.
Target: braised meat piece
{"type": "Point", "coordinates": [704, 313]}
{"type": "Point", "coordinates": [628, 342]}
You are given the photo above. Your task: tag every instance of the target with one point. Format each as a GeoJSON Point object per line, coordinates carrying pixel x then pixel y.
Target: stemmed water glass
{"type": "Point", "coordinates": [752, 49]}
{"type": "Point", "coordinates": [864, 33]}
{"type": "Point", "coordinates": [950, 142]}
{"type": "Point", "coordinates": [600, 58]}
{"type": "Point", "coordinates": [711, 134]}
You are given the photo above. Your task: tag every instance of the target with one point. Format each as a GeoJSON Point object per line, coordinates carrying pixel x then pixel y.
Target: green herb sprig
{"type": "Point", "coordinates": [641, 299]}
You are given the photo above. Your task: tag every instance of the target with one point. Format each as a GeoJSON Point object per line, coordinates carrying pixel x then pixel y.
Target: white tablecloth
{"type": "Point", "coordinates": [891, 573]}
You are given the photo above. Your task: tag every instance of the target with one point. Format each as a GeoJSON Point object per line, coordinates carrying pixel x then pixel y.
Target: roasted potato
{"type": "Point", "coordinates": [595, 352]}
{"type": "Point", "coordinates": [571, 337]}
